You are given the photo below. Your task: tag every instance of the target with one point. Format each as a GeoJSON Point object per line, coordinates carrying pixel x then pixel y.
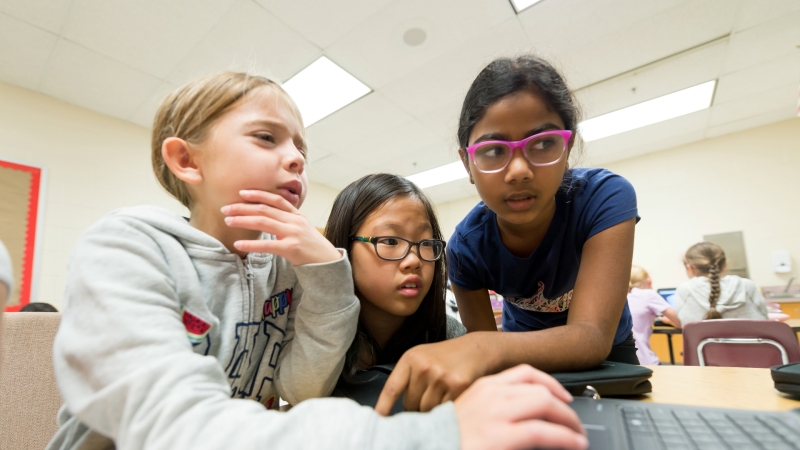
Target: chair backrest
{"type": "Point", "coordinates": [29, 398]}
{"type": "Point", "coordinates": [739, 343]}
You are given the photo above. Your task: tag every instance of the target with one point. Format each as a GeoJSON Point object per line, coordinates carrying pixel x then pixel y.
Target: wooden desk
{"type": "Point", "coordinates": [719, 387]}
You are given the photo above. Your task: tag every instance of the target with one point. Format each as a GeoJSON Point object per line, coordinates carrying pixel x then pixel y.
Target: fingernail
{"type": "Point", "coordinates": [225, 209]}
{"type": "Point", "coordinates": [583, 442]}
{"type": "Point", "coordinates": [228, 220]}
{"type": "Point", "coordinates": [245, 192]}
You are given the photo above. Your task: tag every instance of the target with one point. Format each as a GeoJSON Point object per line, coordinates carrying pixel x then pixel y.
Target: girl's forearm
{"type": "Point", "coordinates": [566, 348]}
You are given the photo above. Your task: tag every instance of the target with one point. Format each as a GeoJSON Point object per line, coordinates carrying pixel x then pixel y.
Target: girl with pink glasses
{"type": "Point", "coordinates": [556, 242]}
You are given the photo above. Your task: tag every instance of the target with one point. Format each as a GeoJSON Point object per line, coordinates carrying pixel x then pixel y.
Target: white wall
{"type": "Point", "coordinates": [95, 164]}
{"type": "Point", "coordinates": [747, 181]}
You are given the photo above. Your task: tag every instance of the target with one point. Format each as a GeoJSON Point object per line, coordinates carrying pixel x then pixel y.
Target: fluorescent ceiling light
{"type": "Point", "coordinates": [440, 175]}
{"type": "Point", "coordinates": [646, 113]}
{"type": "Point", "coordinates": [521, 5]}
{"type": "Point", "coordinates": [323, 88]}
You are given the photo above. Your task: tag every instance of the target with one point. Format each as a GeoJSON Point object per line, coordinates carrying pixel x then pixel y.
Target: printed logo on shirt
{"type": "Point", "coordinates": [278, 304]}
{"type": "Point", "coordinates": [196, 328]}
{"type": "Point", "coordinates": [270, 402]}
{"type": "Point", "coordinates": [539, 303]}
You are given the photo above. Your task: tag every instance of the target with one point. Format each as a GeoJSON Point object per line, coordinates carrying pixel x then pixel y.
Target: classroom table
{"type": "Point", "coordinates": [670, 330]}
{"type": "Point", "coordinates": [717, 387]}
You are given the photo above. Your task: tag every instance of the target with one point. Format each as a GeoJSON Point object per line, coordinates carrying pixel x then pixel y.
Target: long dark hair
{"type": "Point", "coordinates": [508, 76]}
{"type": "Point", "coordinates": [429, 323]}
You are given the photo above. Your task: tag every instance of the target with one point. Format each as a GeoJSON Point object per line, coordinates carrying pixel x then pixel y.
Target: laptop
{"type": "Point", "coordinates": [668, 294]}
{"type": "Point", "coordinates": [629, 424]}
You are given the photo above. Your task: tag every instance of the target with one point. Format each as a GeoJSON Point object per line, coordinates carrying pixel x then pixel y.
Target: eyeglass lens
{"type": "Point", "coordinates": [545, 149]}
{"type": "Point", "coordinates": [396, 248]}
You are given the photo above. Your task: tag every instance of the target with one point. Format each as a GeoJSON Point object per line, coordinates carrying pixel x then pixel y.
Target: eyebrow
{"type": "Point", "coordinates": [503, 137]}
{"type": "Point", "coordinates": [399, 228]}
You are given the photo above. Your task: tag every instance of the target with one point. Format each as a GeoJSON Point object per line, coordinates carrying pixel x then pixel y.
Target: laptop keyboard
{"type": "Point", "coordinates": [654, 428]}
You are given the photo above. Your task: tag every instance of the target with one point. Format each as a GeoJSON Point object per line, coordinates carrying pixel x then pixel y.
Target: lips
{"type": "Point", "coordinates": [411, 287]}
{"type": "Point", "coordinates": [291, 191]}
{"type": "Point", "coordinates": [520, 201]}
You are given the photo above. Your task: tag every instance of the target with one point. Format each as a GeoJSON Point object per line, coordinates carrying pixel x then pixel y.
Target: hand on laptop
{"type": "Point", "coordinates": [519, 408]}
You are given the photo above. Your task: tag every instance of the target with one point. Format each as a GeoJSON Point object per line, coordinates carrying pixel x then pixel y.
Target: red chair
{"type": "Point", "coordinates": [739, 343]}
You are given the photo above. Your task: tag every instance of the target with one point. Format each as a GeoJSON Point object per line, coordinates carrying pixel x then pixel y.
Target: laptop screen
{"type": "Point", "coordinates": [668, 294]}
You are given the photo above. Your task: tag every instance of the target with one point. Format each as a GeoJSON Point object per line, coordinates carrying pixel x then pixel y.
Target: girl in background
{"type": "Point", "coordinates": [707, 296]}
{"type": "Point", "coordinates": [645, 304]}
{"type": "Point", "coordinates": [555, 242]}
{"type": "Point", "coordinates": [392, 236]}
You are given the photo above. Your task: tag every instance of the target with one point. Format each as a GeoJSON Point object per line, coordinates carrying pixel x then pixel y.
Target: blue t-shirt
{"type": "Point", "coordinates": [538, 288]}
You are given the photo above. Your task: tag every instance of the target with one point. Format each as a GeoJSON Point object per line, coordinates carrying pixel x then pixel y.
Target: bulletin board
{"type": "Point", "coordinates": [21, 191]}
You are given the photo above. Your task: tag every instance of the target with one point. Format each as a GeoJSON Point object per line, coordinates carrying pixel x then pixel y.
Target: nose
{"type": "Point", "coordinates": [293, 160]}
{"type": "Point", "coordinates": [412, 259]}
{"type": "Point", "coordinates": [518, 169]}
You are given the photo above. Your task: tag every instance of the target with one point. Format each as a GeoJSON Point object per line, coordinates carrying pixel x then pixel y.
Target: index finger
{"type": "Point", "coordinates": [524, 373]}
{"type": "Point", "coordinates": [268, 198]}
{"type": "Point", "coordinates": [394, 387]}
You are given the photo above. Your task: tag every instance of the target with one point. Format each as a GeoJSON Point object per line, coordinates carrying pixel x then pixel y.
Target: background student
{"type": "Point", "coordinates": [707, 296]}
{"type": "Point", "coordinates": [395, 246]}
{"type": "Point", "coordinates": [555, 242]}
{"type": "Point", "coordinates": [182, 333]}
{"type": "Point", "coordinates": [645, 304]}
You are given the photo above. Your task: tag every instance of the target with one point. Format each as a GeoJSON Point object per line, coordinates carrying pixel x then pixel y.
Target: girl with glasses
{"type": "Point", "coordinates": [396, 249]}
{"type": "Point", "coordinates": [555, 242]}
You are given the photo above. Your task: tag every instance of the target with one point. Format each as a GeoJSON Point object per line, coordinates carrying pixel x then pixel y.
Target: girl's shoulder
{"type": "Point", "coordinates": [454, 328]}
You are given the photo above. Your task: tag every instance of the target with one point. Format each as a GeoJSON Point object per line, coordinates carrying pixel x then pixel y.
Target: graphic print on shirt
{"type": "Point", "coordinates": [253, 339]}
{"type": "Point", "coordinates": [539, 303]}
{"type": "Point", "coordinates": [196, 328]}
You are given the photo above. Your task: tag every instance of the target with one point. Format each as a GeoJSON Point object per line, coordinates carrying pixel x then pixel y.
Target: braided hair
{"type": "Point", "coordinates": [708, 259]}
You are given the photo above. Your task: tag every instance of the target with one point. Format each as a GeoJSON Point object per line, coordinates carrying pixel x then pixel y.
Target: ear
{"type": "Point", "coordinates": [180, 157]}
{"type": "Point", "coordinates": [465, 160]}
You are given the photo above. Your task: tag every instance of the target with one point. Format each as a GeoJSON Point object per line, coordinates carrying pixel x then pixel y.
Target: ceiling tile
{"type": "Point", "coordinates": [251, 39]}
{"type": "Point", "coordinates": [323, 22]}
{"type": "Point", "coordinates": [145, 113]}
{"type": "Point", "coordinates": [47, 14]}
{"type": "Point", "coordinates": [752, 121]}
{"type": "Point", "coordinates": [24, 50]}
{"type": "Point", "coordinates": [783, 98]}
{"type": "Point", "coordinates": [658, 36]}
{"type": "Point", "coordinates": [426, 157]}
{"type": "Point", "coordinates": [552, 25]}
{"type": "Point", "coordinates": [85, 78]}
{"type": "Point", "coordinates": [448, 192]}
{"type": "Point", "coordinates": [765, 42]}
{"type": "Point", "coordinates": [446, 79]}
{"type": "Point", "coordinates": [362, 122]}
{"type": "Point", "coordinates": [664, 77]}
{"type": "Point", "coordinates": [335, 172]}
{"type": "Point", "coordinates": [375, 53]}
{"type": "Point", "coordinates": [376, 150]}
{"type": "Point", "coordinates": [758, 78]}
{"type": "Point", "coordinates": [443, 121]}
{"type": "Point", "coordinates": [150, 35]}
{"type": "Point", "coordinates": [756, 12]}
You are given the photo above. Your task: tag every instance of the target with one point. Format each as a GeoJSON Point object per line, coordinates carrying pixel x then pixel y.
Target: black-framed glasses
{"type": "Point", "coordinates": [391, 248]}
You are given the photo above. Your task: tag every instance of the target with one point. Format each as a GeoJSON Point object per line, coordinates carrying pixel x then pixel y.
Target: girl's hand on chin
{"type": "Point", "coordinates": [297, 240]}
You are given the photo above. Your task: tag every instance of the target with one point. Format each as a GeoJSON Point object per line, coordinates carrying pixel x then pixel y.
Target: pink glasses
{"type": "Point", "coordinates": [541, 149]}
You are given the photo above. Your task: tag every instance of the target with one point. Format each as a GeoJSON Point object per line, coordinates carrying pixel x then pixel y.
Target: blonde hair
{"type": "Point", "coordinates": [638, 276]}
{"type": "Point", "coordinates": [191, 110]}
{"type": "Point", "coordinates": [708, 259]}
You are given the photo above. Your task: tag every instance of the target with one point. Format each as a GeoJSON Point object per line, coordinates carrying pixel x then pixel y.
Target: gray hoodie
{"type": "Point", "coordinates": [739, 298]}
{"type": "Point", "coordinates": [169, 341]}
